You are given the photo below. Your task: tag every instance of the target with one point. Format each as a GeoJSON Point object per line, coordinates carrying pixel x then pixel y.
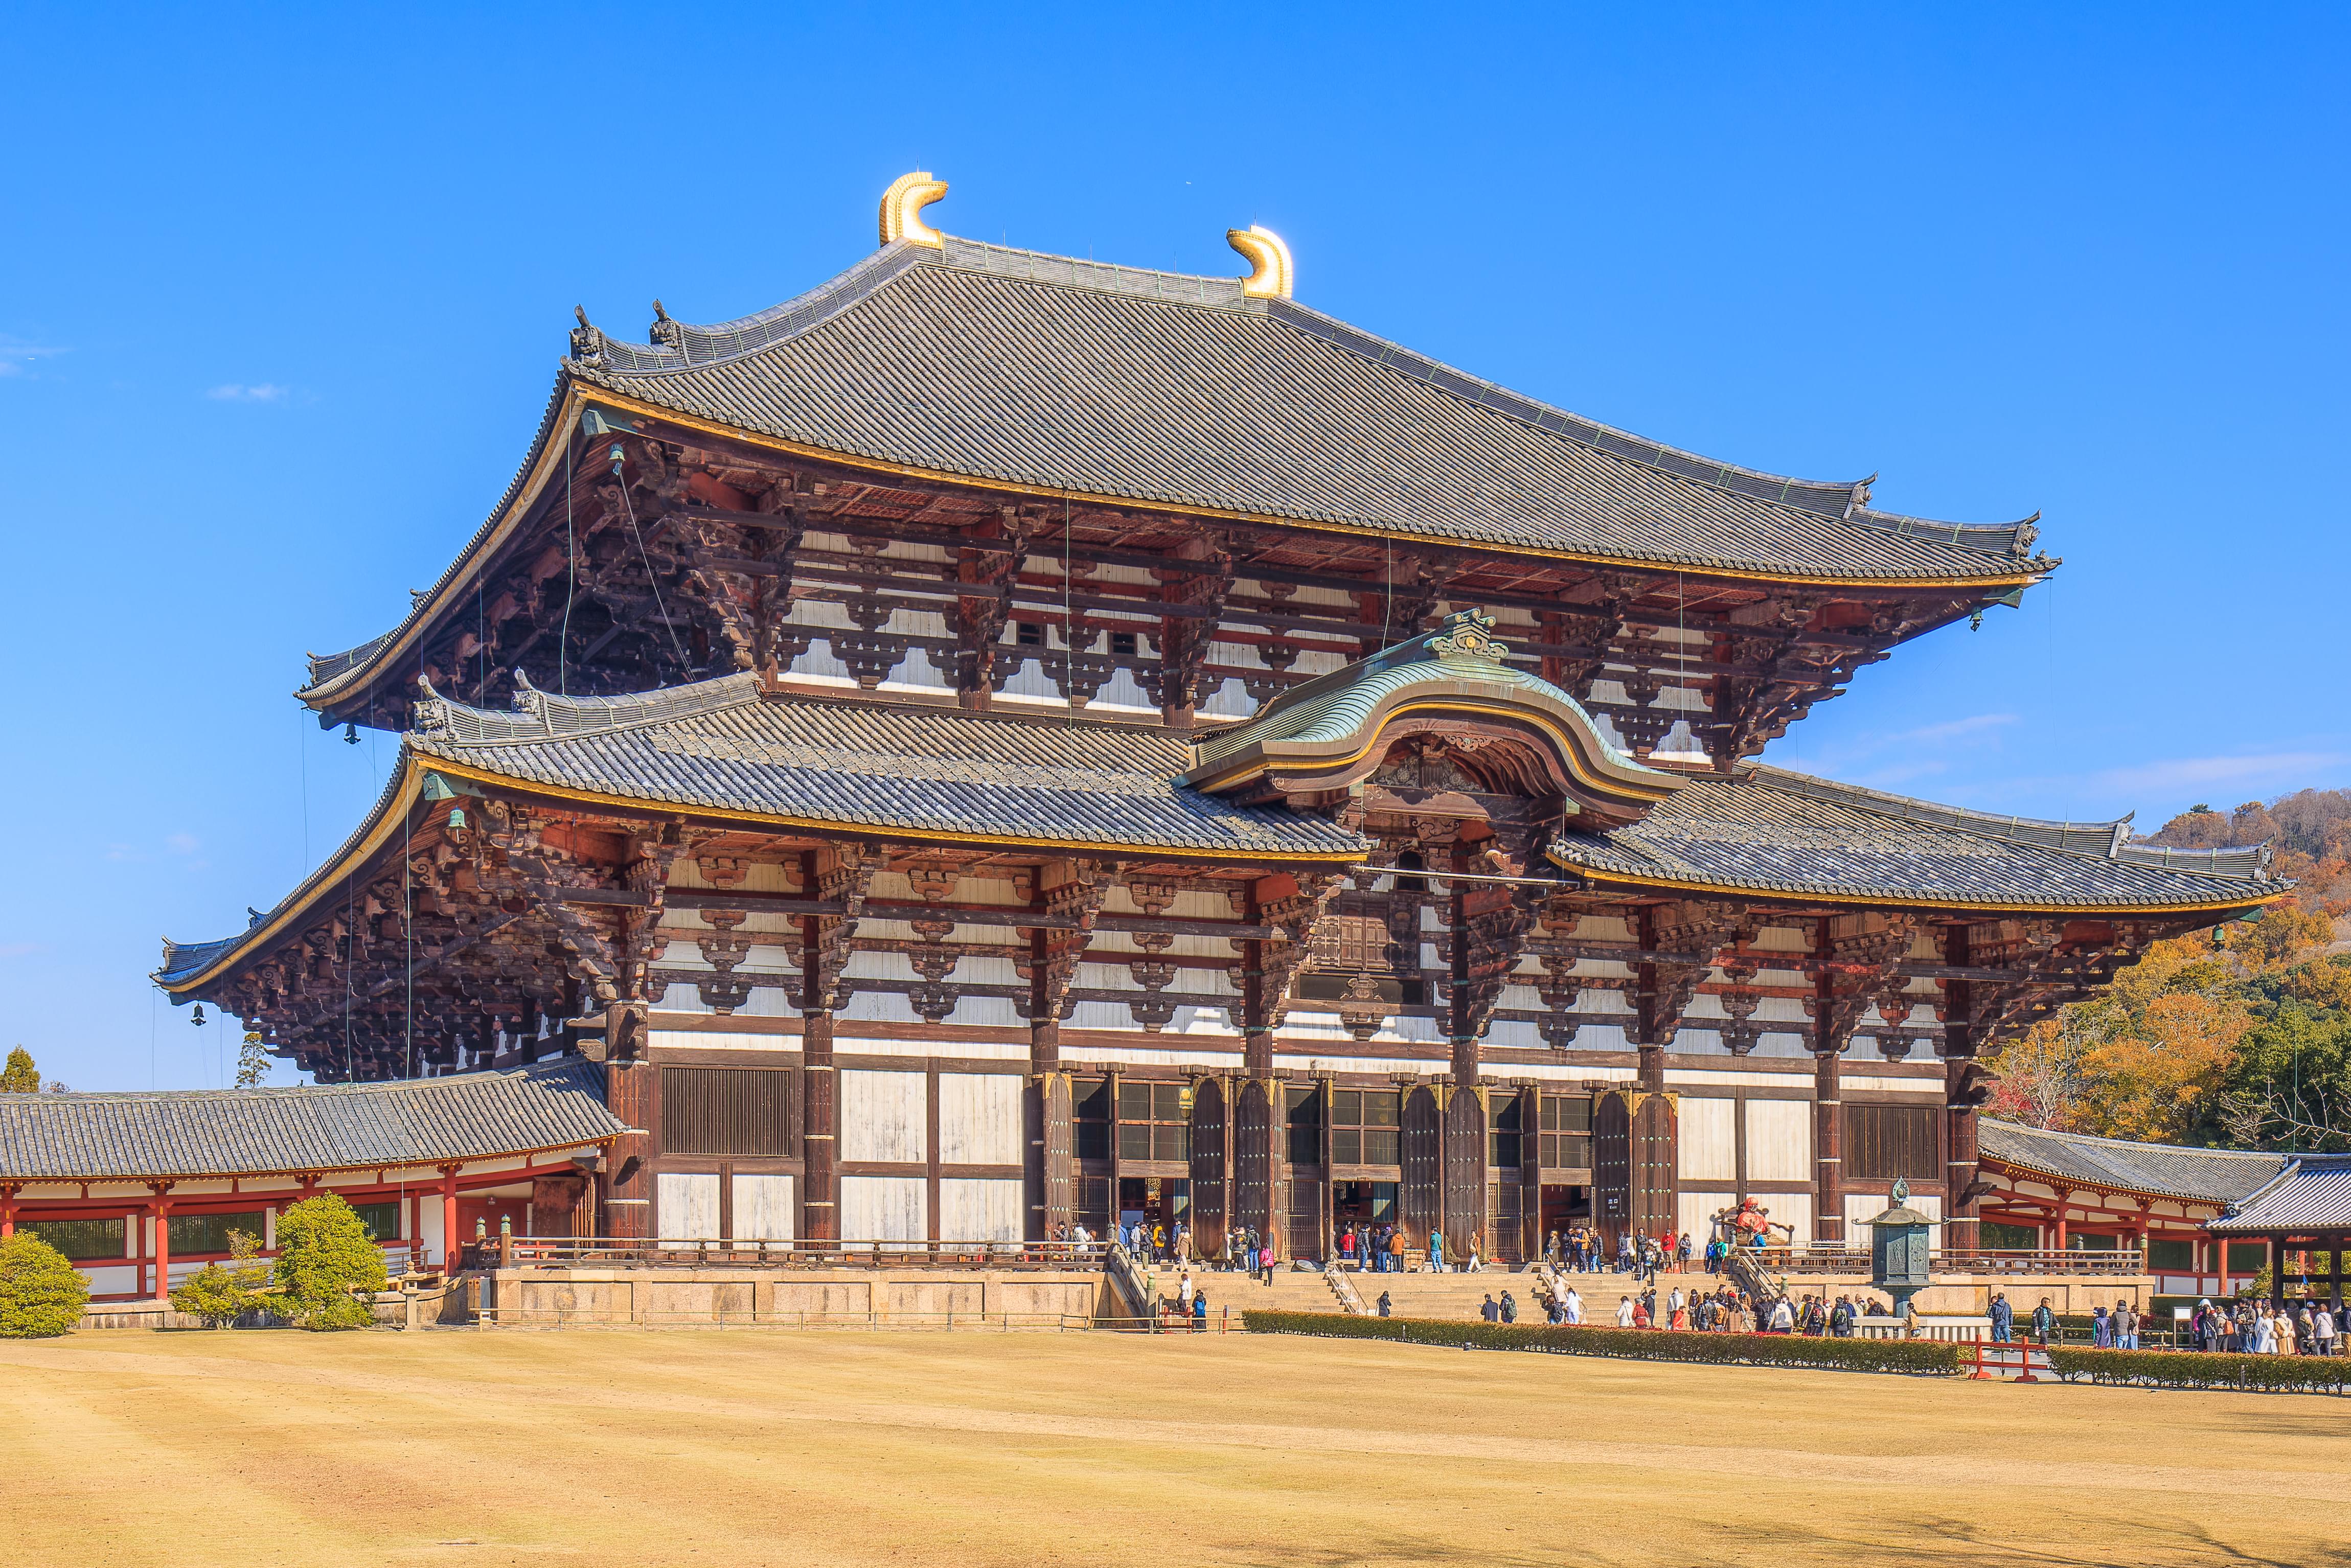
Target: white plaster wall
{"type": "Point", "coordinates": [883, 1209]}
{"type": "Point", "coordinates": [1694, 1214]}
{"type": "Point", "coordinates": [1793, 1209]}
{"type": "Point", "coordinates": [1708, 1139]}
{"type": "Point", "coordinates": [434, 1244]}
{"type": "Point", "coordinates": [686, 1206]}
{"type": "Point", "coordinates": [980, 1209]}
{"type": "Point", "coordinates": [119, 1280]}
{"type": "Point", "coordinates": [979, 1121]}
{"type": "Point", "coordinates": [882, 1115]}
{"type": "Point", "coordinates": [1780, 1140]}
{"type": "Point", "coordinates": [763, 1208]}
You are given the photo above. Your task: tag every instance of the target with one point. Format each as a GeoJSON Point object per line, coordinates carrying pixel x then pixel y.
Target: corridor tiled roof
{"type": "Point", "coordinates": [2311, 1193]}
{"type": "Point", "coordinates": [994, 364]}
{"type": "Point", "coordinates": [322, 1128]}
{"type": "Point", "coordinates": [720, 745]}
{"type": "Point", "coordinates": [2211, 1176]}
{"type": "Point", "coordinates": [1766, 831]}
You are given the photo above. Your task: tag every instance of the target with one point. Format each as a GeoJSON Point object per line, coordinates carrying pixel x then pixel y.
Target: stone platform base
{"type": "Point", "coordinates": [559, 1295]}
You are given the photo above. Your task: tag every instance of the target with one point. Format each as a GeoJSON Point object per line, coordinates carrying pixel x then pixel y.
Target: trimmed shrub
{"type": "Point", "coordinates": [2201, 1369]}
{"type": "Point", "coordinates": [1932, 1357]}
{"type": "Point", "coordinates": [324, 1255]}
{"type": "Point", "coordinates": [41, 1294]}
{"type": "Point", "coordinates": [220, 1296]}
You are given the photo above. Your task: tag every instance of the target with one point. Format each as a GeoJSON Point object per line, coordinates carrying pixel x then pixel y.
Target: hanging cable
{"type": "Point", "coordinates": [570, 574]}
{"type": "Point", "coordinates": [1388, 579]}
{"type": "Point", "coordinates": [684, 664]}
{"type": "Point", "coordinates": [1069, 632]}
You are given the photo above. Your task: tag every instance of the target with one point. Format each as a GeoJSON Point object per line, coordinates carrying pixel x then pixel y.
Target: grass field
{"type": "Point", "coordinates": [751, 1447]}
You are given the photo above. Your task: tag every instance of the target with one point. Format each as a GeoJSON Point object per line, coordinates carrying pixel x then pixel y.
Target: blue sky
{"type": "Point", "coordinates": [282, 293]}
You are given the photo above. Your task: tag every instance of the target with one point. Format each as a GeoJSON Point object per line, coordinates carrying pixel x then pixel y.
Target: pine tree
{"type": "Point", "coordinates": [20, 1076]}
{"type": "Point", "coordinates": [252, 1062]}
{"type": "Point", "coordinates": [324, 1256]}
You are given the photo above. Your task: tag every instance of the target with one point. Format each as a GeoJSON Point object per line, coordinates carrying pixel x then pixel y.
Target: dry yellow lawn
{"type": "Point", "coordinates": [745, 1448]}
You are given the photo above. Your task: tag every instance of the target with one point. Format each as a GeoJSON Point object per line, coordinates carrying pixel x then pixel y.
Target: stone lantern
{"type": "Point", "coordinates": [1897, 1249]}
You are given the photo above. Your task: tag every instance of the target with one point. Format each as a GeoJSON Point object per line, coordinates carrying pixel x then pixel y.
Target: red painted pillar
{"type": "Point", "coordinates": [7, 1212]}
{"type": "Point", "coordinates": [162, 1206]}
{"type": "Point", "coordinates": [451, 1245]}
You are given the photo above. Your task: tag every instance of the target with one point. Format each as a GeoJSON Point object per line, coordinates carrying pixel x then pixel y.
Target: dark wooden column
{"type": "Point", "coordinates": [1259, 1197]}
{"type": "Point", "coordinates": [1052, 1157]}
{"type": "Point", "coordinates": [1465, 1170]}
{"type": "Point", "coordinates": [820, 1137]}
{"type": "Point", "coordinates": [1828, 1149]}
{"type": "Point", "coordinates": [1961, 1231]}
{"type": "Point", "coordinates": [632, 1088]}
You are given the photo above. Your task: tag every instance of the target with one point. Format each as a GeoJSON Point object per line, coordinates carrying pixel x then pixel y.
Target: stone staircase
{"type": "Point", "coordinates": [1289, 1292]}
{"type": "Point", "coordinates": [1450, 1296]}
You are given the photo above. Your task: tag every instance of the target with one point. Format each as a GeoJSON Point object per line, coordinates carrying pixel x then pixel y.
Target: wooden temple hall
{"type": "Point", "coordinates": [1001, 742]}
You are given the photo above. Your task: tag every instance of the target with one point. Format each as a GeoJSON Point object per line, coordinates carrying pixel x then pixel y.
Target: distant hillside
{"type": "Point", "coordinates": [2312, 831]}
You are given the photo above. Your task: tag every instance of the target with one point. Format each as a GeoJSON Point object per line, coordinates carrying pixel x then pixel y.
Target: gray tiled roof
{"type": "Point", "coordinates": [1019, 366]}
{"type": "Point", "coordinates": [2313, 1193]}
{"type": "Point", "coordinates": [2211, 1176]}
{"type": "Point", "coordinates": [1767, 831]}
{"type": "Point", "coordinates": [1011, 365]}
{"type": "Point", "coordinates": [323, 1127]}
{"type": "Point", "coordinates": [719, 746]}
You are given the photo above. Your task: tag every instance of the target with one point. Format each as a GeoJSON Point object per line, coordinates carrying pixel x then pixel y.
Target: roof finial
{"type": "Point", "coordinates": [1270, 275]}
{"type": "Point", "coordinates": [901, 207]}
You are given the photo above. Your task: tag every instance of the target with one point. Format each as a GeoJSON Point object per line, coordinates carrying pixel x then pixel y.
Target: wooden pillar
{"type": "Point", "coordinates": [2064, 1211]}
{"type": "Point", "coordinates": [2277, 1272]}
{"type": "Point", "coordinates": [453, 1246]}
{"type": "Point", "coordinates": [821, 1203]}
{"type": "Point", "coordinates": [1052, 1165]}
{"type": "Point", "coordinates": [7, 1211]}
{"type": "Point", "coordinates": [1828, 1148]}
{"type": "Point", "coordinates": [161, 1209]}
{"type": "Point", "coordinates": [417, 1232]}
{"type": "Point", "coordinates": [632, 1091]}
{"type": "Point", "coordinates": [1961, 1229]}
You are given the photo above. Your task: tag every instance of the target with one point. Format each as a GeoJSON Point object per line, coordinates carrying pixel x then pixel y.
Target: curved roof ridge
{"type": "Point", "coordinates": [2239, 860]}
{"type": "Point", "coordinates": [2000, 539]}
{"type": "Point", "coordinates": [333, 666]}
{"type": "Point", "coordinates": [2091, 1138]}
{"type": "Point", "coordinates": [2093, 838]}
{"type": "Point", "coordinates": [561, 1066]}
{"type": "Point", "coordinates": [184, 959]}
{"type": "Point", "coordinates": [680, 345]}
{"type": "Point", "coordinates": [546, 715]}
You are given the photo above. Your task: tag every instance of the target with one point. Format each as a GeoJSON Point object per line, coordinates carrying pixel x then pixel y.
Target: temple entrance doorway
{"type": "Point", "coordinates": [1365, 1205]}
{"type": "Point", "coordinates": [1563, 1209]}
{"type": "Point", "coordinates": [1160, 1203]}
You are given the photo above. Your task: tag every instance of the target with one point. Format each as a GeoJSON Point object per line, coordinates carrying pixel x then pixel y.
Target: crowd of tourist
{"type": "Point", "coordinates": [2302, 1328]}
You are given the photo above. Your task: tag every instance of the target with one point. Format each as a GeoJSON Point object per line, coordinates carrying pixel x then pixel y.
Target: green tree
{"type": "Point", "coordinates": [220, 1296]}
{"type": "Point", "coordinates": [324, 1255]}
{"type": "Point", "coordinates": [2290, 1086]}
{"type": "Point", "coordinates": [20, 1076]}
{"type": "Point", "coordinates": [41, 1294]}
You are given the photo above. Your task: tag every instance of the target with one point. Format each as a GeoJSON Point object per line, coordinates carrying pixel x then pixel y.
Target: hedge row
{"type": "Point", "coordinates": [2201, 1369]}
{"type": "Point", "coordinates": [1931, 1356]}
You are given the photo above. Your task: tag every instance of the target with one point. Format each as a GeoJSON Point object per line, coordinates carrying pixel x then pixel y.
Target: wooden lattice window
{"type": "Point", "coordinates": [729, 1111]}
{"type": "Point", "coordinates": [1154, 1120]}
{"type": "Point", "coordinates": [1364, 1126]}
{"type": "Point", "coordinates": [1566, 1132]}
{"type": "Point", "coordinates": [1882, 1141]}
